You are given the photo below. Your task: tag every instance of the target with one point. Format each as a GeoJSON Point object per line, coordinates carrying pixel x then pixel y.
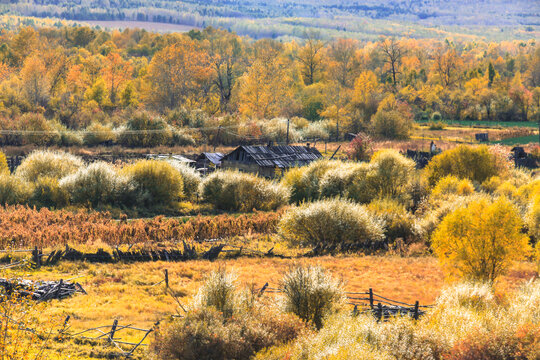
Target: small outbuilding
{"type": "Point", "coordinates": [269, 161]}
{"type": "Point", "coordinates": [207, 161]}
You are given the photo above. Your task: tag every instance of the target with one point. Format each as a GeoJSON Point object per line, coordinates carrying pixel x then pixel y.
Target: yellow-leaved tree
{"type": "Point", "coordinates": [481, 240]}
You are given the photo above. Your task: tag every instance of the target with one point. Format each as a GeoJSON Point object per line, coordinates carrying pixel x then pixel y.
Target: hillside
{"type": "Point", "coordinates": [367, 19]}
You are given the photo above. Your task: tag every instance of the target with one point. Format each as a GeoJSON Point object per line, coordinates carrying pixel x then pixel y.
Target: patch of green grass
{"type": "Point", "coordinates": [482, 123]}
{"type": "Point", "coordinates": [518, 140]}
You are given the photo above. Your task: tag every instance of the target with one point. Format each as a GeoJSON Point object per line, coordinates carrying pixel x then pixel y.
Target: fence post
{"type": "Point", "coordinates": [113, 330]}
{"type": "Point", "coordinates": [379, 311]}
{"type": "Point", "coordinates": [166, 278]}
{"type": "Point", "coordinates": [36, 257]}
{"type": "Point", "coordinates": [415, 315]}
{"type": "Point", "coordinates": [371, 298]}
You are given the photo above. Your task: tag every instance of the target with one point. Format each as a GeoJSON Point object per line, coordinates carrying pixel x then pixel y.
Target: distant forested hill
{"type": "Point", "coordinates": [264, 18]}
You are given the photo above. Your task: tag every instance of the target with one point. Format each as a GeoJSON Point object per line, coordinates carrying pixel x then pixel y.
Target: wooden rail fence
{"type": "Point", "coordinates": [370, 302]}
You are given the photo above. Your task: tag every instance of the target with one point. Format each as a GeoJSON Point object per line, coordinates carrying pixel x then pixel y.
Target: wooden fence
{"type": "Point", "coordinates": [370, 302]}
{"type": "Point", "coordinates": [189, 252]}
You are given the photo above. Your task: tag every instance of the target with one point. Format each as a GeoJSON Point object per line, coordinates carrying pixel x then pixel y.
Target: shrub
{"type": "Point", "coordinates": [405, 340]}
{"type": "Point", "coordinates": [156, 182]}
{"type": "Point", "coordinates": [13, 190]}
{"type": "Point", "coordinates": [276, 130]}
{"type": "Point", "coordinates": [525, 304]}
{"type": "Point", "coordinates": [343, 337]}
{"type": "Point", "coordinates": [433, 210]}
{"type": "Point", "coordinates": [46, 131]}
{"type": "Point", "coordinates": [480, 240]}
{"type": "Point", "coordinates": [465, 162]}
{"type": "Point", "coordinates": [337, 182]}
{"type": "Point", "coordinates": [533, 218]}
{"type": "Point", "coordinates": [400, 223]}
{"type": "Point", "coordinates": [436, 116]}
{"type": "Point", "coordinates": [97, 134]}
{"type": "Point", "coordinates": [145, 130]}
{"type": "Point", "coordinates": [228, 190]}
{"type": "Point", "coordinates": [390, 174]}
{"type": "Point", "coordinates": [94, 185]}
{"type": "Point", "coordinates": [390, 125]}
{"type": "Point", "coordinates": [506, 189]}
{"type": "Point", "coordinates": [360, 148]}
{"type": "Point", "coordinates": [393, 120]}
{"type": "Point", "coordinates": [209, 335]}
{"type": "Point", "coordinates": [180, 137]}
{"type": "Point", "coordinates": [18, 342]}
{"type": "Point", "coordinates": [537, 254]}
{"type": "Point", "coordinates": [218, 291]}
{"type": "Point", "coordinates": [304, 182]}
{"type": "Point", "coordinates": [470, 295]}
{"type": "Point", "coordinates": [192, 179]}
{"type": "Point", "coordinates": [520, 345]}
{"type": "Point", "coordinates": [331, 222]}
{"type": "Point", "coordinates": [3, 163]}
{"type": "Point", "coordinates": [48, 192]}
{"type": "Point", "coordinates": [70, 138]}
{"type": "Point", "coordinates": [316, 130]}
{"type": "Point", "coordinates": [311, 293]}
{"type": "Point", "coordinates": [528, 191]}
{"type": "Point", "coordinates": [451, 185]}
{"type": "Point", "coordinates": [439, 125]}
{"type": "Point", "coordinates": [53, 164]}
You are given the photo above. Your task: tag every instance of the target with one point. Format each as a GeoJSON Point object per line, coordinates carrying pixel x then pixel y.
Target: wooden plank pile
{"type": "Point", "coordinates": [41, 290]}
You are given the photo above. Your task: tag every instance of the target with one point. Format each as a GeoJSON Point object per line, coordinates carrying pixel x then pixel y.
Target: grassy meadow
{"type": "Point", "coordinates": [126, 291]}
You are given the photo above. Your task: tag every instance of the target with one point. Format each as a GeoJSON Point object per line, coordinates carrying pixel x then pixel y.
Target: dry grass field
{"type": "Point", "coordinates": [126, 292]}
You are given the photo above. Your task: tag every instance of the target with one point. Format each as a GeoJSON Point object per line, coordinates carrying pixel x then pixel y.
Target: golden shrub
{"type": "Point", "coordinates": [328, 222]}
{"type": "Point", "coordinates": [452, 185]}
{"type": "Point", "coordinates": [3, 163]}
{"type": "Point", "coordinates": [230, 190]}
{"type": "Point", "coordinates": [475, 163]}
{"type": "Point", "coordinates": [13, 190]}
{"type": "Point", "coordinates": [480, 240]}
{"type": "Point", "coordinates": [56, 164]}
{"type": "Point", "coordinates": [156, 182]}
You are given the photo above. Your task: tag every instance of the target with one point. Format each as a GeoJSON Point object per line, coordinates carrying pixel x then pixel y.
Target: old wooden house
{"type": "Point", "coordinates": [269, 161]}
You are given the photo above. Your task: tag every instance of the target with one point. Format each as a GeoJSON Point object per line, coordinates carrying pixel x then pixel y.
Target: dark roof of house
{"type": "Point", "coordinates": [282, 156]}
{"type": "Point", "coordinates": [214, 158]}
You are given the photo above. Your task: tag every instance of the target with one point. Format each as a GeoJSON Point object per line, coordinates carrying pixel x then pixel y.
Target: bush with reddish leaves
{"type": "Point", "coordinates": [360, 148]}
{"type": "Point", "coordinates": [524, 344]}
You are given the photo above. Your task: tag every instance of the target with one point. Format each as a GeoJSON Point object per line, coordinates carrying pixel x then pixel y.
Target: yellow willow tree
{"type": "Point", "coordinates": [115, 73]}
{"type": "Point", "coordinates": [177, 72]}
{"type": "Point", "coordinates": [264, 89]}
{"type": "Point", "coordinates": [366, 95]}
{"type": "Point", "coordinates": [34, 80]}
{"type": "Point", "coordinates": [481, 240]}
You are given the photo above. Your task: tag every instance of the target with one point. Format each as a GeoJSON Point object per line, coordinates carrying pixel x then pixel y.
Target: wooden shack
{"type": "Point", "coordinates": [269, 161]}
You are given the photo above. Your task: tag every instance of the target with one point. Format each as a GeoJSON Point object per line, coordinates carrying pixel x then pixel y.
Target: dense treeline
{"type": "Point", "coordinates": [117, 84]}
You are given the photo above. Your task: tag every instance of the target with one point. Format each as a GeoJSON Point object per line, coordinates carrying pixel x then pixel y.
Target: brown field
{"type": "Point", "coordinates": [125, 291]}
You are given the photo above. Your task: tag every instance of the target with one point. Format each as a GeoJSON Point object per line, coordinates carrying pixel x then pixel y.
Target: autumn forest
{"type": "Point", "coordinates": [59, 81]}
